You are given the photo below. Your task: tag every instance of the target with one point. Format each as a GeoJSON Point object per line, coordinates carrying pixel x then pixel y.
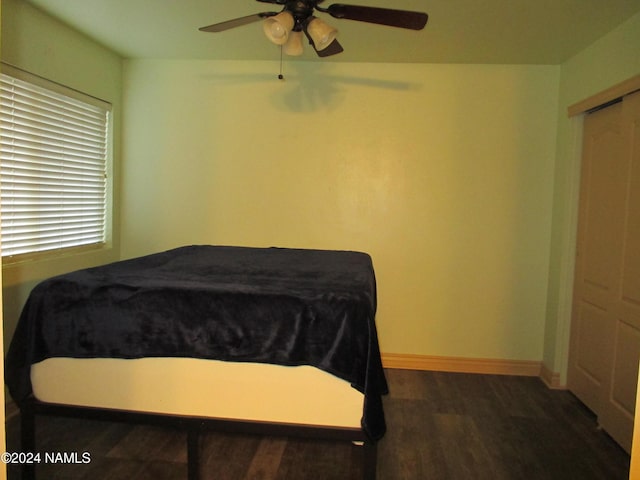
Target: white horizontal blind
{"type": "Point", "coordinates": [53, 159]}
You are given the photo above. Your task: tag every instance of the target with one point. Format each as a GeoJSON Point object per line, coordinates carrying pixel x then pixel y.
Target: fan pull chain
{"type": "Point", "coordinates": [280, 75]}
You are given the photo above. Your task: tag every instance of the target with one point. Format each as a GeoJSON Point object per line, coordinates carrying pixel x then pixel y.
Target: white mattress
{"type": "Point", "coordinates": [196, 387]}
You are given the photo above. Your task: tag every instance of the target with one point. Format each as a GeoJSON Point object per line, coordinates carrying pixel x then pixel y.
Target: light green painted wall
{"type": "Point", "coordinates": [443, 173]}
{"type": "Point", "coordinates": [3, 468]}
{"type": "Point", "coordinates": [41, 45]}
{"type": "Point", "coordinates": [611, 60]}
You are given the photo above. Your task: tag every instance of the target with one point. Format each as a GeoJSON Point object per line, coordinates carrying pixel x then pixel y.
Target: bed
{"type": "Point", "coordinates": [195, 335]}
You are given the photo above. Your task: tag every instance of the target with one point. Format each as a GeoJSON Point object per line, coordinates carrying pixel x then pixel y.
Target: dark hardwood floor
{"type": "Point", "coordinates": [441, 426]}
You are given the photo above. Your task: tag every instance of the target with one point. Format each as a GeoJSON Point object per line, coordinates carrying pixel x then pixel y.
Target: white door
{"type": "Point", "coordinates": [605, 331]}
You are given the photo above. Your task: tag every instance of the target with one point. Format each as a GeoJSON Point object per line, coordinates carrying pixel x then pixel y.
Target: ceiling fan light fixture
{"type": "Point", "coordinates": [278, 27]}
{"type": "Point", "coordinates": [321, 33]}
{"type": "Point", "coordinates": [294, 45]}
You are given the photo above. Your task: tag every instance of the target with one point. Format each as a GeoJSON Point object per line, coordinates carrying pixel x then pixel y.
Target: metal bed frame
{"type": "Point", "coordinates": [193, 426]}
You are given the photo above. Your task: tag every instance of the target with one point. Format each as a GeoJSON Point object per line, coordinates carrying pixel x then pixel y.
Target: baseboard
{"type": "Point", "coordinates": [462, 365]}
{"type": "Point", "coordinates": [551, 379]}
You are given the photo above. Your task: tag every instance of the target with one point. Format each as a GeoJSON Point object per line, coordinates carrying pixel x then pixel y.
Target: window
{"type": "Point", "coordinates": [53, 166]}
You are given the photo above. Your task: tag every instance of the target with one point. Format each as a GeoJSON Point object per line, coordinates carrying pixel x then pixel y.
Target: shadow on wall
{"type": "Point", "coordinates": [309, 87]}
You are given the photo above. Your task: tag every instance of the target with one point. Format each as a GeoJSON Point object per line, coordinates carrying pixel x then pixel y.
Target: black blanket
{"type": "Point", "coordinates": [270, 305]}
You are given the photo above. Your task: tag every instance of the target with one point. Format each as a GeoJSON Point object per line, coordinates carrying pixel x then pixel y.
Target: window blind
{"type": "Point", "coordinates": [53, 169]}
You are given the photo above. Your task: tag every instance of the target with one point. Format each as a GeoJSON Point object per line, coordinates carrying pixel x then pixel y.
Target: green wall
{"type": "Point", "coordinates": [3, 443]}
{"type": "Point", "coordinates": [443, 173]}
{"type": "Point", "coordinates": [33, 41]}
{"type": "Point", "coordinates": [458, 179]}
{"type": "Point", "coordinates": [609, 61]}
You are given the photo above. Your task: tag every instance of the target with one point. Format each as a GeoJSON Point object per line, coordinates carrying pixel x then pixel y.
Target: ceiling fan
{"type": "Point", "coordinates": [286, 28]}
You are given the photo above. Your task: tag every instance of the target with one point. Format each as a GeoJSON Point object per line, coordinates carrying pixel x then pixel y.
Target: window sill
{"type": "Point", "coordinates": [39, 266]}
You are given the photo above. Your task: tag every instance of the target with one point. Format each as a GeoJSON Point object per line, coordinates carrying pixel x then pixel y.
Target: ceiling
{"type": "Point", "coordinates": [458, 31]}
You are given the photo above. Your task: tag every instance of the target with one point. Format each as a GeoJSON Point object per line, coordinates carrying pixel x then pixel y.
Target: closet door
{"type": "Point", "coordinates": [605, 332]}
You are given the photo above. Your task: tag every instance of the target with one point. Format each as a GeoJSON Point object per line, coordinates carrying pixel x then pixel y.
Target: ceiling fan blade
{"type": "Point", "coordinates": [333, 49]}
{"type": "Point", "coordinates": [236, 22]}
{"type": "Point", "coordinates": [381, 16]}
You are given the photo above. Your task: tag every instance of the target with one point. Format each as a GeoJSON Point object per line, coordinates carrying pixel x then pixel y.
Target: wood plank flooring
{"type": "Point", "coordinates": [441, 426]}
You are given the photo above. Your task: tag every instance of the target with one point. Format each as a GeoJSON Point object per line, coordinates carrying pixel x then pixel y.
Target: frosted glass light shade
{"type": "Point", "coordinates": [278, 27]}
{"type": "Point", "coordinates": [294, 47]}
{"type": "Point", "coordinates": [321, 33]}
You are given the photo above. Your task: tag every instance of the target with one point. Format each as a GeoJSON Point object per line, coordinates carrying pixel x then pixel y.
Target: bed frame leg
{"type": "Point", "coordinates": [370, 454]}
{"type": "Point", "coordinates": [28, 436]}
{"type": "Point", "coordinates": [193, 452]}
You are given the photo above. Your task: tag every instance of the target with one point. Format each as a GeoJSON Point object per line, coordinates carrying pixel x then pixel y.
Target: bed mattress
{"type": "Point", "coordinates": [200, 387]}
{"type": "Point", "coordinates": [285, 308]}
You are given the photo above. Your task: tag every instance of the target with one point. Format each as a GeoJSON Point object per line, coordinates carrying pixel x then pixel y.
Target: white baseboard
{"type": "Point", "coordinates": [551, 379]}
{"type": "Point", "coordinates": [464, 365]}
